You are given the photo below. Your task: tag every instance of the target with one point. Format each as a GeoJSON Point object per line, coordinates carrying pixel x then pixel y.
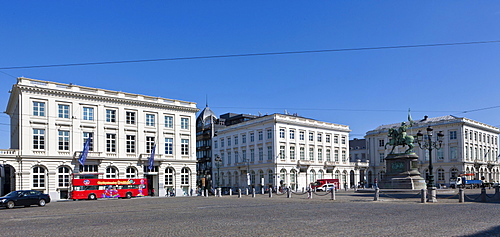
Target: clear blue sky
{"type": "Point", "coordinates": [362, 89]}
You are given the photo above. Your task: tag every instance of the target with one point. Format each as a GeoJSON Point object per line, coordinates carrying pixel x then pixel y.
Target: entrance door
{"type": "Point", "coordinates": [7, 179]}
{"type": "Point", "coordinates": [152, 184]}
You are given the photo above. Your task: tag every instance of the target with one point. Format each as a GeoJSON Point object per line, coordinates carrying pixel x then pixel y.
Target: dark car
{"type": "Point", "coordinates": [24, 198]}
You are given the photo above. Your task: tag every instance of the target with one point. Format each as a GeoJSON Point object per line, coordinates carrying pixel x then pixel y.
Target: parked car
{"type": "Point", "coordinates": [325, 187]}
{"type": "Point", "coordinates": [24, 198]}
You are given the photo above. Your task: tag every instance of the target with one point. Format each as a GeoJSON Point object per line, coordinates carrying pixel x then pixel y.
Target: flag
{"type": "Point", "coordinates": [152, 157]}
{"type": "Point", "coordinates": [409, 118]}
{"type": "Point", "coordinates": [85, 152]}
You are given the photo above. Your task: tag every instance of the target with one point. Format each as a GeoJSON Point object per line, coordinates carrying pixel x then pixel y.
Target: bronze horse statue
{"type": "Point", "coordinates": [398, 137]}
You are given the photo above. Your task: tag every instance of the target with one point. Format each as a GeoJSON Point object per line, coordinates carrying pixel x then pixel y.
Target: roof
{"type": "Point", "coordinates": [419, 123]}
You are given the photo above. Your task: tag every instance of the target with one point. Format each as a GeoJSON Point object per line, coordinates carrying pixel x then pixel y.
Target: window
{"type": "Point", "coordinates": [236, 140]}
{"type": "Point", "coordinates": [63, 176]}
{"type": "Point", "coordinates": [282, 133]}
{"type": "Point", "coordinates": [38, 177]}
{"type": "Point", "coordinates": [292, 134]}
{"type": "Point", "coordinates": [88, 113]}
{"type": "Point", "coordinates": [453, 135]}
{"type": "Point", "coordinates": [252, 137]}
{"type": "Point", "coordinates": [301, 135]}
{"type": "Point", "coordinates": [244, 138]}
{"type": "Point", "coordinates": [261, 154]}
{"type": "Point", "coordinates": [336, 155]}
{"type": "Point", "coordinates": [184, 123]}
{"type": "Point", "coordinates": [110, 142]}
{"type": "Point", "coordinates": [336, 139]}
{"type": "Point", "coordinates": [320, 137]}
{"type": "Point", "coordinates": [63, 140]}
{"type": "Point", "coordinates": [328, 138]}
{"type": "Point", "coordinates": [130, 140]}
{"type": "Point", "coordinates": [381, 157]}
{"type": "Point", "coordinates": [252, 155]}
{"type": "Point", "coordinates": [169, 176]}
{"type": "Point", "coordinates": [260, 135]}
{"type": "Point", "coordinates": [169, 146]}
{"type": "Point", "coordinates": [185, 176]}
{"type": "Point", "coordinates": [38, 108]}
{"type": "Point", "coordinates": [311, 153]}
{"type": "Point", "coordinates": [150, 120]}
{"type": "Point", "coordinates": [328, 155]}
{"type": "Point", "coordinates": [150, 142]}
{"type": "Point", "coordinates": [344, 157]}
{"type": "Point", "coordinates": [38, 139]}
{"type": "Point", "coordinates": [237, 157]}
{"type": "Point", "coordinates": [269, 134]}
{"type": "Point", "coordinates": [111, 173]}
{"type": "Point", "coordinates": [269, 153]}
{"type": "Point", "coordinates": [62, 111]}
{"type": "Point", "coordinates": [311, 136]}
{"type": "Point", "coordinates": [87, 135]}
{"type": "Point", "coordinates": [292, 153]}
{"type": "Point", "coordinates": [302, 153]}
{"type": "Point", "coordinates": [130, 117]}
{"type": "Point", "coordinates": [111, 116]}
{"type": "Point", "coordinates": [131, 173]}
{"type": "Point", "coordinates": [440, 175]}
{"type": "Point", "coordinates": [184, 147]}
{"type": "Point", "coordinates": [228, 141]}
{"type": "Point", "coordinates": [222, 142]}
{"type": "Point", "coordinates": [454, 153]}
{"type": "Point", "coordinates": [440, 154]}
{"type": "Point", "coordinates": [169, 121]}
{"type": "Point", "coordinates": [320, 155]}
{"type": "Point", "coordinates": [343, 140]}
{"type": "Point", "coordinates": [282, 152]}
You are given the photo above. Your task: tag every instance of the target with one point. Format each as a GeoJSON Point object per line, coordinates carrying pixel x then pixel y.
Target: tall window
{"type": "Point", "coordinates": [185, 176]}
{"type": "Point", "coordinates": [130, 117]}
{"type": "Point", "coordinates": [111, 116]}
{"type": "Point", "coordinates": [261, 154]}
{"type": "Point", "coordinates": [169, 121]}
{"type": "Point", "coordinates": [184, 147]}
{"type": "Point", "coordinates": [328, 138]}
{"type": "Point", "coordinates": [252, 155]}
{"type": "Point", "coordinates": [320, 137]}
{"type": "Point", "coordinates": [328, 155]}
{"type": "Point", "coordinates": [110, 142]}
{"type": "Point", "coordinates": [131, 173]}
{"type": "Point", "coordinates": [336, 155]}
{"type": "Point", "coordinates": [150, 141]}
{"type": "Point", "coordinates": [169, 146]}
{"type": "Point", "coordinates": [261, 135]}
{"type": "Point", "coordinates": [269, 134]}
{"type": "Point", "coordinates": [184, 123]}
{"type": "Point", "coordinates": [302, 153]}
{"type": "Point", "coordinates": [311, 153]}
{"type": "Point", "coordinates": [63, 176]}
{"type": "Point", "coordinates": [38, 139]}
{"type": "Point", "coordinates": [282, 133]}
{"type": "Point", "coordinates": [344, 157]}
{"type": "Point", "coordinates": [63, 140]}
{"type": "Point", "coordinates": [440, 173]}
{"type": "Point", "coordinates": [453, 135]}
{"type": "Point", "coordinates": [169, 176]}
{"type": "Point", "coordinates": [38, 108]}
{"type": "Point", "coordinates": [292, 134]}
{"type": "Point", "coordinates": [150, 120]}
{"type": "Point", "coordinates": [269, 153]}
{"type": "Point", "coordinates": [244, 138]}
{"type": "Point", "coordinates": [292, 153]}
{"type": "Point", "coordinates": [62, 111]}
{"type": "Point", "coordinates": [252, 137]}
{"type": "Point", "coordinates": [111, 172]}
{"type": "Point", "coordinates": [311, 136]}
{"type": "Point", "coordinates": [320, 155]}
{"type": "Point", "coordinates": [88, 113]}
{"type": "Point", "coordinates": [38, 177]}
{"type": "Point", "coordinates": [454, 152]}
{"type": "Point", "coordinates": [301, 135]}
{"type": "Point", "coordinates": [86, 136]}
{"type": "Point", "coordinates": [282, 152]}
{"type": "Point", "coordinates": [130, 140]}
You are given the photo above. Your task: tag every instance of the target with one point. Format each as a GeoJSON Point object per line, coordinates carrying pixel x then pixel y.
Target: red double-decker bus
{"type": "Point", "coordinates": [90, 186]}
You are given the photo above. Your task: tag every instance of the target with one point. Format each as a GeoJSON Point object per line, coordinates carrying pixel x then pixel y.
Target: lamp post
{"type": "Point", "coordinates": [428, 144]}
{"type": "Point", "coordinates": [218, 160]}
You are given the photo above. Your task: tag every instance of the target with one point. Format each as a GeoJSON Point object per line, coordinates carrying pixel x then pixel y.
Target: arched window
{"type": "Point", "coordinates": [293, 177]}
{"type": "Point", "coordinates": [131, 172]}
{"type": "Point", "coordinates": [169, 176]}
{"type": "Point", "coordinates": [185, 176]}
{"type": "Point", "coordinates": [270, 177]}
{"type": "Point", "coordinates": [38, 177]}
{"type": "Point", "coordinates": [261, 177]}
{"type": "Point", "coordinates": [440, 173]}
{"type": "Point", "coordinates": [236, 180]}
{"type": "Point", "coordinates": [63, 176]}
{"type": "Point", "coordinates": [453, 173]}
{"type": "Point", "coordinates": [312, 176]}
{"type": "Point", "coordinates": [337, 174]}
{"type": "Point", "coordinates": [111, 172]}
{"type": "Point", "coordinates": [321, 174]}
{"type": "Point", "coordinates": [252, 177]}
{"type": "Point", "coordinates": [282, 176]}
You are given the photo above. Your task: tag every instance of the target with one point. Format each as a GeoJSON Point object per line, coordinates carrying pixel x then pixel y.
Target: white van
{"type": "Point", "coordinates": [325, 187]}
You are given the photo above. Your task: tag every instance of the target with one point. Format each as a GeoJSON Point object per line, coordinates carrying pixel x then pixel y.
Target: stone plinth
{"type": "Point", "coordinates": [402, 173]}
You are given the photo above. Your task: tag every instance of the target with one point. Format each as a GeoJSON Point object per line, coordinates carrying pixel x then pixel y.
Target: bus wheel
{"type": "Point", "coordinates": [128, 195]}
{"type": "Point", "coordinates": [92, 196]}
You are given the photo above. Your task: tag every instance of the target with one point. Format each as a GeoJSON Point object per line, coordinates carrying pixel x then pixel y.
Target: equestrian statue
{"type": "Point", "coordinates": [398, 137]}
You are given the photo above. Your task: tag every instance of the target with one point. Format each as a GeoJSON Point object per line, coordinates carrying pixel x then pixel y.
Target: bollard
{"type": "Point", "coordinates": [461, 195]}
{"type": "Point", "coordinates": [262, 190]}
{"type": "Point", "coordinates": [483, 194]}
{"type": "Point", "coordinates": [270, 193]}
{"type": "Point", "coordinates": [206, 192]}
{"type": "Point", "coordinates": [253, 192]}
{"type": "Point", "coordinates": [239, 193]}
{"type": "Point", "coordinates": [288, 193]}
{"type": "Point", "coordinates": [423, 195]}
{"type": "Point", "coordinates": [377, 194]}
{"type": "Point", "coordinates": [230, 192]}
{"type": "Point", "coordinates": [246, 191]}
{"type": "Point", "coordinates": [333, 193]}
{"type": "Point", "coordinates": [219, 191]}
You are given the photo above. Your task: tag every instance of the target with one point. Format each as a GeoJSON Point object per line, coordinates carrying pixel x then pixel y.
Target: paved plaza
{"type": "Point", "coordinates": [351, 214]}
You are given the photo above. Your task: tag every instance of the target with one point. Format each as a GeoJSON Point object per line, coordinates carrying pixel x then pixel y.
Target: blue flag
{"type": "Point", "coordinates": [85, 151]}
{"type": "Point", "coordinates": [152, 158]}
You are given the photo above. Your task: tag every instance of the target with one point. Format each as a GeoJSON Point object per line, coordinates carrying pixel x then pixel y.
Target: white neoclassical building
{"type": "Point", "coordinates": [283, 150]}
{"type": "Point", "coordinates": [50, 122]}
{"type": "Point", "coordinates": [469, 147]}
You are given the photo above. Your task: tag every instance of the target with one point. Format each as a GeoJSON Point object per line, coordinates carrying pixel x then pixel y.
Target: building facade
{"type": "Point", "coordinates": [50, 123]}
{"type": "Point", "coordinates": [469, 147]}
{"type": "Point", "coordinates": [283, 151]}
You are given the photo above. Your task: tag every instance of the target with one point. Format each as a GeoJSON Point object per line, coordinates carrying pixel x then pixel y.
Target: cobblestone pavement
{"type": "Point", "coordinates": [351, 214]}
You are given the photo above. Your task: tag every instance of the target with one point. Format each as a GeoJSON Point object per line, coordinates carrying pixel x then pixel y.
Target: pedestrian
{"type": "Point", "coordinates": [152, 192]}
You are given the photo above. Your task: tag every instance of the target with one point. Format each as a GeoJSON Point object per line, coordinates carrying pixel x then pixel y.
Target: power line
{"type": "Point", "coordinates": [251, 55]}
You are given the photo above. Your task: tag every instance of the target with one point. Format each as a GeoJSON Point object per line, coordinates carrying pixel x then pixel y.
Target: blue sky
{"type": "Point", "coordinates": [362, 89]}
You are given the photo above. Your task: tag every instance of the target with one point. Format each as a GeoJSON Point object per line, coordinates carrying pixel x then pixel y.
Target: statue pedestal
{"type": "Point", "coordinates": [402, 173]}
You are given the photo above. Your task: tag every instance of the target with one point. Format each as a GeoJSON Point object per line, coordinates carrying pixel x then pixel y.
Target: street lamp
{"type": "Point", "coordinates": [218, 161]}
{"type": "Point", "coordinates": [428, 144]}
